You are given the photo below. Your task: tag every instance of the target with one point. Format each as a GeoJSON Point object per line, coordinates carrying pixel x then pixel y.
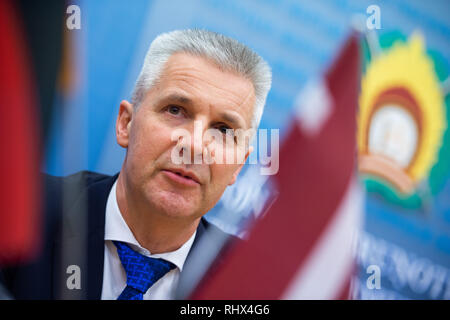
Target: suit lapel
{"type": "Point", "coordinates": [99, 193]}
{"type": "Point", "coordinates": [83, 231]}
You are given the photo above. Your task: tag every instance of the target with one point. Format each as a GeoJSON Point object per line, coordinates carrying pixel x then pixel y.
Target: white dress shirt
{"type": "Point", "coordinates": [114, 276]}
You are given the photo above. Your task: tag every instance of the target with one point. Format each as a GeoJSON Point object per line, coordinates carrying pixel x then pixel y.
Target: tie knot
{"type": "Point", "coordinates": [142, 271]}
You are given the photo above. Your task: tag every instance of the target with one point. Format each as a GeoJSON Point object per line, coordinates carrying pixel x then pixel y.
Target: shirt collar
{"type": "Point", "coordinates": [116, 229]}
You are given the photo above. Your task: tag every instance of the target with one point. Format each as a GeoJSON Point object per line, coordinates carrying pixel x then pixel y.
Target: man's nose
{"type": "Point", "coordinates": [195, 143]}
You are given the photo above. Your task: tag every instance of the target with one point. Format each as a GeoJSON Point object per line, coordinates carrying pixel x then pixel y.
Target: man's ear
{"type": "Point", "coordinates": [123, 123]}
{"type": "Point", "coordinates": [236, 173]}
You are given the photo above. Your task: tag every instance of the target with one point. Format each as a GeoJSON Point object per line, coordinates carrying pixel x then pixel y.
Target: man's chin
{"type": "Point", "coordinates": [174, 205]}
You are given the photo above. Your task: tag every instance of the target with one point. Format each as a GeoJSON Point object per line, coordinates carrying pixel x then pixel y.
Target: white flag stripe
{"type": "Point", "coordinates": [331, 260]}
{"type": "Point", "coordinates": [314, 106]}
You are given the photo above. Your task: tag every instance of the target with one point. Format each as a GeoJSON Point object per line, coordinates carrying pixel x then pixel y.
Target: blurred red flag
{"type": "Point", "coordinates": [303, 246]}
{"type": "Point", "coordinates": [19, 164]}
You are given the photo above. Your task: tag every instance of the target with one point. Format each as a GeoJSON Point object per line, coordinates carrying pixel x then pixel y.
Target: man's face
{"type": "Point", "coordinates": [190, 89]}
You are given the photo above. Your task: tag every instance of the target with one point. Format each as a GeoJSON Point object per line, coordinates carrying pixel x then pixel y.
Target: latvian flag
{"type": "Point", "coordinates": [302, 248]}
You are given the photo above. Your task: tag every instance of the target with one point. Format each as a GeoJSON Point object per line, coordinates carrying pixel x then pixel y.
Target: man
{"type": "Point", "coordinates": [129, 236]}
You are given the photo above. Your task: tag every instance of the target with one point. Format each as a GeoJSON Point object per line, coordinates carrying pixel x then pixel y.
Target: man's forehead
{"type": "Point", "coordinates": [205, 69]}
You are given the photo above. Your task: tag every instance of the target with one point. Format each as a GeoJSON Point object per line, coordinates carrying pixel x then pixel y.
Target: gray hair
{"type": "Point", "coordinates": [227, 53]}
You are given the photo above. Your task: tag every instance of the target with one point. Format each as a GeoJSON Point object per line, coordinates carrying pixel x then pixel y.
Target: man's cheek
{"type": "Point", "coordinates": [150, 141]}
{"type": "Point", "coordinates": [220, 177]}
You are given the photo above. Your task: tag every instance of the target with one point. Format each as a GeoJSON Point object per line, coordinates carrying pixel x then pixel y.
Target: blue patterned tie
{"type": "Point", "coordinates": [142, 272]}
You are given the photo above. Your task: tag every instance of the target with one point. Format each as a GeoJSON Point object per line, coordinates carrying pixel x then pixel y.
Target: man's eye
{"type": "Point", "coordinates": [222, 129]}
{"type": "Point", "coordinates": [226, 130]}
{"type": "Point", "coordinates": [175, 110]}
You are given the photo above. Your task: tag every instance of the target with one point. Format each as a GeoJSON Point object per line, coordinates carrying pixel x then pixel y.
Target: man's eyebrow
{"type": "Point", "coordinates": [233, 120]}
{"type": "Point", "coordinates": [178, 98]}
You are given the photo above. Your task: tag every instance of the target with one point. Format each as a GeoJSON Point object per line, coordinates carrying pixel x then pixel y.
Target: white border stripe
{"type": "Point", "coordinates": [327, 268]}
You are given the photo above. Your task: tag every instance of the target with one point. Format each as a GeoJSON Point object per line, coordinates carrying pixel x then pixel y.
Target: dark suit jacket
{"type": "Point", "coordinates": [73, 234]}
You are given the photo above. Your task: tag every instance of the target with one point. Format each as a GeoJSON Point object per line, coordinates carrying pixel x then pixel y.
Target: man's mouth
{"type": "Point", "coordinates": [182, 177]}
